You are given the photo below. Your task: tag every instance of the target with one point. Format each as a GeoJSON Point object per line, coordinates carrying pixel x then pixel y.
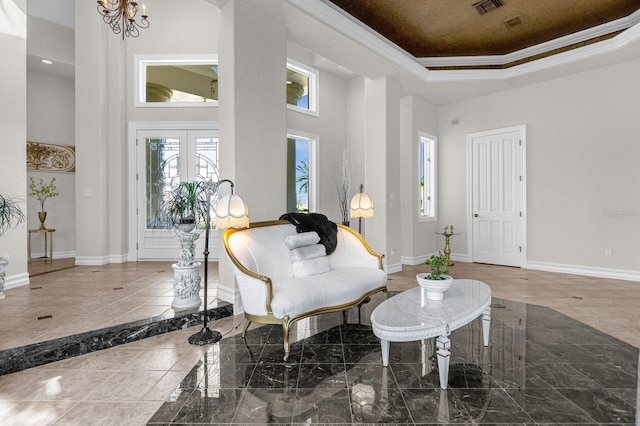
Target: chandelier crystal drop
{"type": "Point", "coordinates": [121, 16]}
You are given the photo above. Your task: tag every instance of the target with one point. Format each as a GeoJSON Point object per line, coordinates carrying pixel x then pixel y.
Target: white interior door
{"type": "Point", "coordinates": [165, 158]}
{"type": "Point", "coordinates": [497, 196]}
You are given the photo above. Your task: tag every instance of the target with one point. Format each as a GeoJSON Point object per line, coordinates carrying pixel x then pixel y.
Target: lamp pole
{"type": "Point", "coordinates": [206, 335]}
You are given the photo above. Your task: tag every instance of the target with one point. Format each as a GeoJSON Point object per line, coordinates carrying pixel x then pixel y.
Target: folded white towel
{"type": "Point", "coordinates": [305, 268]}
{"type": "Point", "coordinates": [308, 252]}
{"type": "Point", "coordinates": [301, 240]}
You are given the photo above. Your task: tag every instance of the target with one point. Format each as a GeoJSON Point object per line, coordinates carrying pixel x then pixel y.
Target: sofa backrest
{"type": "Point", "coordinates": [261, 249]}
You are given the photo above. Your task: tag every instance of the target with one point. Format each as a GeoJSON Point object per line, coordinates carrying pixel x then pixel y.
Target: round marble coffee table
{"type": "Point", "coordinates": [409, 317]}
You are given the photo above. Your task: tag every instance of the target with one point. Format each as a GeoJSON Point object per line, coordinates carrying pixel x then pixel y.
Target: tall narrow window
{"type": "Point", "coordinates": [302, 82]}
{"type": "Point", "coordinates": [427, 183]}
{"type": "Point", "coordinates": [301, 173]}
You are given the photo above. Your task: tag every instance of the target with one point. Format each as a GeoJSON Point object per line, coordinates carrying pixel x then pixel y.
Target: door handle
{"type": "Point", "coordinates": [475, 215]}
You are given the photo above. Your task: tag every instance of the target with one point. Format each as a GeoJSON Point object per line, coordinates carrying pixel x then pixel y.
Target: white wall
{"type": "Point", "coordinates": [50, 119]}
{"type": "Point", "coordinates": [582, 165]}
{"type": "Point", "coordinates": [13, 79]}
{"type": "Point", "coordinates": [418, 238]}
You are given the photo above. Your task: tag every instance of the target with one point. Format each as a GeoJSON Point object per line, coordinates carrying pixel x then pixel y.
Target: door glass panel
{"type": "Point", "coordinates": [162, 169]}
{"type": "Point", "coordinates": [207, 163]}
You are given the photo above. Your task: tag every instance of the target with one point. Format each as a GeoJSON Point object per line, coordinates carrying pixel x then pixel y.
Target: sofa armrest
{"type": "Point", "coordinates": [353, 250]}
{"type": "Point", "coordinates": [256, 290]}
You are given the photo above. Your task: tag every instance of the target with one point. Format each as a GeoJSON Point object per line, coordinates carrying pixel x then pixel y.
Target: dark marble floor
{"type": "Point", "coordinates": [541, 367]}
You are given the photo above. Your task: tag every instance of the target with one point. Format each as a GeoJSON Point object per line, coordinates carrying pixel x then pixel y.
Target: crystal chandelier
{"type": "Point", "coordinates": [121, 16]}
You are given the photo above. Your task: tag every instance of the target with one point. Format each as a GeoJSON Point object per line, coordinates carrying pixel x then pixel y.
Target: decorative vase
{"type": "Point", "coordinates": [434, 289]}
{"type": "Point", "coordinates": [42, 216]}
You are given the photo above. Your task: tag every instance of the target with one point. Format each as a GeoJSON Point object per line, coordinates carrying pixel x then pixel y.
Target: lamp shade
{"type": "Point", "coordinates": [232, 212]}
{"type": "Point", "coordinates": [361, 205]}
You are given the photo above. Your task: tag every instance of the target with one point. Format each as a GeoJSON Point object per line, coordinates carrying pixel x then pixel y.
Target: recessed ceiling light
{"type": "Point", "coordinates": [46, 61]}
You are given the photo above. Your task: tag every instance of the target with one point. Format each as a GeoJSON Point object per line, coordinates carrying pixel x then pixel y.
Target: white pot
{"type": "Point", "coordinates": [434, 289]}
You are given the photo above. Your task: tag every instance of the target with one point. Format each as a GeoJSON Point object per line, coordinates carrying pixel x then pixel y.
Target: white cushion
{"type": "Point", "coordinates": [307, 267]}
{"type": "Point", "coordinates": [308, 252]}
{"type": "Point", "coordinates": [337, 287]}
{"type": "Point", "coordinates": [302, 239]}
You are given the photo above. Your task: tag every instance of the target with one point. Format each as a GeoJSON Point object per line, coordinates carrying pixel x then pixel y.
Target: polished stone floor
{"type": "Point", "coordinates": [541, 367]}
{"type": "Point", "coordinates": [576, 363]}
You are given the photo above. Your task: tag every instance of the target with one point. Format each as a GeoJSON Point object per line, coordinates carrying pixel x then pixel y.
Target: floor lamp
{"type": "Point", "coordinates": [231, 212]}
{"type": "Point", "coordinates": [361, 206]}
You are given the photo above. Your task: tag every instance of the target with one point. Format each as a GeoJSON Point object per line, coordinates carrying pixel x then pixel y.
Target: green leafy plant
{"type": "Point", "coordinates": [42, 191]}
{"type": "Point", "coordinates": [186, 203]}
{"type": "Point", "coordinates": [11, 214]}
{"type": "Point", "coordinates": [438, 265]}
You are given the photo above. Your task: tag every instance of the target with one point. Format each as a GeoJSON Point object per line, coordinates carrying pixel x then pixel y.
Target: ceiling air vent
{"type": "Point", "coordinates": [485, 6]}
{"type": "Point", "coordinates": [514, 21]}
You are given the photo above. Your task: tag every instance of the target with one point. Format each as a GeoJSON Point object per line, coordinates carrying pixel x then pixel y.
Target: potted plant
{"type": "Point", "coordinates": [185, 205]}
{"type": "Point", "coordinates": [41, 192]}
{"type": "Point", "coordinates": [11, 215]}
{"type": "Point", "coordinates": [435, 283]}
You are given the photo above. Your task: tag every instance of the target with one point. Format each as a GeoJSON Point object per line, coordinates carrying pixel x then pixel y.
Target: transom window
{"type": "Point", "coordinates": [302, 82]}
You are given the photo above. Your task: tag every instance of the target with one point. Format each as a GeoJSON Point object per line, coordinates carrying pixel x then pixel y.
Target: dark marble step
{"type": "Point", "coordinates": [24, 357]}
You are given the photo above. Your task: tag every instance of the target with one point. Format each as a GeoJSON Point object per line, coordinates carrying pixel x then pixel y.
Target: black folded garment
{"type": "Point", "coordinates": [307, 222]}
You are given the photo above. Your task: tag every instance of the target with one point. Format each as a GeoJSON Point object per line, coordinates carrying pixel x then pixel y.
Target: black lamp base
{"type": "Point", "coordinates": [205, 336]}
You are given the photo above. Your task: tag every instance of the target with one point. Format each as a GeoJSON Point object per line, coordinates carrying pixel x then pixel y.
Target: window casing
{"type": "Point", "coordinates": [427, 177]}
{"type": "Point", "coordinates": [301, 172]}
{"type": "Point", "coordinates": [302, 88]}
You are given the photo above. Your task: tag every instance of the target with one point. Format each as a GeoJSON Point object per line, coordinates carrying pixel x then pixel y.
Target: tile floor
{"type": "Point", "coordinates": [132, 384]}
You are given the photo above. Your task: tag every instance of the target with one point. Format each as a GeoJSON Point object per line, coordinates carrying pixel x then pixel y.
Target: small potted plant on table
{"type": "Point", "coordinates": [435, 283]}
{"type": "Point", "coordinates": [41, 192]}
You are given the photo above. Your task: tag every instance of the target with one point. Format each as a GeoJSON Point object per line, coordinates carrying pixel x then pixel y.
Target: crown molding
{"type": "Point", "coordinates": [540, 49]}
{"type": "Point", "coordinates": [579, 54]}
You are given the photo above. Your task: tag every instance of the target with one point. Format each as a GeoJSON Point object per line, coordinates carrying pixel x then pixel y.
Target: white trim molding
{"type": "Point", "coordinates": [17, 280]}
{"type": "Point", "coordinates": [589, 271]}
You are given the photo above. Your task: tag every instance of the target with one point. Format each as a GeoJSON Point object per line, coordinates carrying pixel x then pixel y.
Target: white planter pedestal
{"type": "Point", "coordinates": [4, 261]}
{"type": "Point", "coordinates": [186, 286]}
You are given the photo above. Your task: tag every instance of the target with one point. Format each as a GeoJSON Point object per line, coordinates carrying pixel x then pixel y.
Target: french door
{"type": "Point", "coordinates": [497, 196]}
{"type": "Point", "coordinates": [165, 158]}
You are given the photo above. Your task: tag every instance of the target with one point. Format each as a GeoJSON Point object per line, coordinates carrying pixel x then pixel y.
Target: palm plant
{"type": "Point", "coordinates": [11, 214]}
{"type": "Point", "coordinates": [186, 203]}
{"type": "Point", "coordinates": [303, 177]}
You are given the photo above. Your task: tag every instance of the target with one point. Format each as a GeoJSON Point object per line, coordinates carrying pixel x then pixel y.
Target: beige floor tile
{"type": "Point", "coordinates": [126, 386]}
{"type": "Point", "coordinates": [34, 413]}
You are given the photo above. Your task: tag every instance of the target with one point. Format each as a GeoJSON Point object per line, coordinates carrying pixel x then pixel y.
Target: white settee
{"type": "Point", "coordinates": [271, 294]}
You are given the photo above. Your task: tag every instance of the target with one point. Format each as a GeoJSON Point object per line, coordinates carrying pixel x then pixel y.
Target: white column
{"type": "Point", "coordinates": [100, 140]}
{"type": "Point", "coordinates": [13, 128]}
{"type": "Point", "coordinates": [382, 166]}
{"type": "Point", "coordinates": [252, 57]}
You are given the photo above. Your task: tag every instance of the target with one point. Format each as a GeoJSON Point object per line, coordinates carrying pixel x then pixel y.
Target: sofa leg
{"type": "Point", "coordinates": [285, 331]}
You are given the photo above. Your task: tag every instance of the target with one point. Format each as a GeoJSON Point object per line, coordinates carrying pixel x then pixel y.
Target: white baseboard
{"type": "Point", "coordinates": [420, 259]}
{"type": "Point", "coordinates": [118, 258]}
{"type": "Point", "coordinates": [618, 274]}
{"type": "Point", "coordinates": [17, 280]}
{"type": "Point", "coordinates": [393, 268]}
{"type": "Point", "coordinates": [92, 260]}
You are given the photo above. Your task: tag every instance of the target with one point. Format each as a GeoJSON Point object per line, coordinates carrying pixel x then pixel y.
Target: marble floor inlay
{"type": "Point", "coordinates": [541, 367]}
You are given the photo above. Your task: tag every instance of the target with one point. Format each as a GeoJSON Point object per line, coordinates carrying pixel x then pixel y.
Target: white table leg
{"type": "Point", "coordinates": [384, 345]}
{"type": "Point", "coordinates": [443, 344]}
{"type": "Point", "coordinates": [486, 324]}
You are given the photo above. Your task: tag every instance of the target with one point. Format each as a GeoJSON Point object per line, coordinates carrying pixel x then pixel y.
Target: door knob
{"type": "Point", "coordinates": [475, 215]}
